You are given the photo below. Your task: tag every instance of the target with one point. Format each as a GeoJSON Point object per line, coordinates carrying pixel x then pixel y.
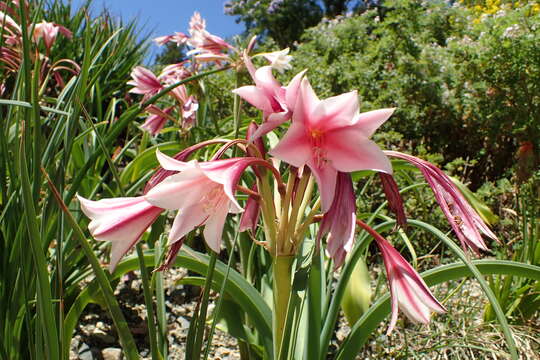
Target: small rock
{"type": "Point", "coordinates": [184, 324]}
{"type": "Point", "coordinates": [74, 345]}
{"type": "Point", "coordinates": [85, 353]}
{"type": "Point", "coordinates": [112, 354]}
{"type": "Point", "coordinates": [103, 336]}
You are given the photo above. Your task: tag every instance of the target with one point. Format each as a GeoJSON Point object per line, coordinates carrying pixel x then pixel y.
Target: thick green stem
{"type": "Point", "coordinates": [281, 268]}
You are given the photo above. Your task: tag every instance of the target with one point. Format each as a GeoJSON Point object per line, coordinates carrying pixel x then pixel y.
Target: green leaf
{"type": "Point", "coordinates": [365, 326]}
{"type": "Point", "coordinates": [146, 161]}
{"type": "Point", "coordinates": [243, 293]}
{"type": "Point", "coordinates": [357, 296]}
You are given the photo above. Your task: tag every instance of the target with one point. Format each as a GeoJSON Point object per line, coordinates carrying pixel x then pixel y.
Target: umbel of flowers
{"type": "Point", "coordinates": [323, 142]}
{"type": "Point", "coordinates": [43, 34]}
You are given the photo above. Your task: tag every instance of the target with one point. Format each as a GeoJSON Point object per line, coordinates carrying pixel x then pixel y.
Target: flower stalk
{"type": "Point", "coordinates": [281, 269]}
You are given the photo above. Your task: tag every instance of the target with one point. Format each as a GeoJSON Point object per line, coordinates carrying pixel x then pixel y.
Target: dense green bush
{"type": "Point", "coordinates": [465, 85]}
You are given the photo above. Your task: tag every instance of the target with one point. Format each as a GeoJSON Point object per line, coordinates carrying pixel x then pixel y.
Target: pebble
{"type": "Point", "coordinates": [85, 353]}
{"type": "Point", "coordinates": [103, 336]}
{"type": "Point", "coordinates": [112, 354]}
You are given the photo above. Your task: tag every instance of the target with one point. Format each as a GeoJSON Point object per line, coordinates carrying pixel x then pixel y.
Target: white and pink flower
{"type": "Point", "coordinates": [408, 291]}
{"type": "Point", "coordinates": [144, 82]}
{"type": "Point", "coordinates": [331, 135]}
{"type": "Point", "coordinates": [276, 102]}
{"type": "Point", "coordinates": [465, 221]}
{"type": "Point", "coordinates": [49, 31]}
{"type": "Point", "coordinates": [122, 221]}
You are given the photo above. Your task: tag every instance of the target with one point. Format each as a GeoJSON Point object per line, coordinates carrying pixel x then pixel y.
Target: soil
{"type": "Point", "coordinates": [459, 334]}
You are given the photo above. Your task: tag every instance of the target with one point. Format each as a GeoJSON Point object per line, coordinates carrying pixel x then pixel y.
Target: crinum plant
{"type": "Point", "coordinates": [289, 199]}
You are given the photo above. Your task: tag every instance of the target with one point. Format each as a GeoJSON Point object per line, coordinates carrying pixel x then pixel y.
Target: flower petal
{"type": "Point", "coordinates": [180, 190]}
{"type": "Point", "coordinates": [121, 221]}
{"type": "Point", "coordinates": [294, 148]}
{"type": "Point", "coordinates": [169, 163]}
{"type": "Point", "coordinates": [349, 150]}
{"type": "Point", "coordinates": [335, 112]}
{"type": "Point", "coordinates": [273, 121]}
{"type": "Point", "coordinates": [213, 230]}
{"type": "Point", "coordinates": [291, 92]}
{"type": "Point", "coordinates": [266, 80]}
{"type": "Point", "coordinates": [370, 121]}
{"type": "Point", "coordinates": [306, 103]}
{"type": "Point", "coordinates": [185, 221]}
{"type": "Point", "coordinates": [326, 177]}
{"type": "Point", "coordinates": [255, 97]}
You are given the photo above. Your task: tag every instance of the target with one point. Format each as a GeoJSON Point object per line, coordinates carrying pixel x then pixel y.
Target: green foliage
{"type": "Point", "coordinates": [43, 128]}
{"type": "Point", "coordinates": [171, 54]}
{"type": "Point", "coordinates": [519, 297]}
{"type": "Point", "coordinates": [282, 20]}
{"type": "Point", "coordinates": [82, 130]}
{"type": "Point", "coordinates": [462, 88]}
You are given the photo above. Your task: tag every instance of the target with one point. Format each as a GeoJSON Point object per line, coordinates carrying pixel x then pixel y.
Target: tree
{"type": "Point", "coordinates": [285, 20]}
{"type": "Point", "coordinates": [171, 54]}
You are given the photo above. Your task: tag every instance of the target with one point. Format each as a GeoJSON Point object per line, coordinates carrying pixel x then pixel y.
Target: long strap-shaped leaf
{"type": "Point", "coordinates": [501, 317]}
{"type": "Point", "coordinates": [365, 326]}
{"type": "Point", "coordinates": [243, 293]}
{"type": "Point", "coordinates": [126, 339]}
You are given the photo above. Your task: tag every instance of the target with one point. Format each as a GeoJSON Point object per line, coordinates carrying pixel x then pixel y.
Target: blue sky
{"type": "Point", "coordinates": [164, 17]}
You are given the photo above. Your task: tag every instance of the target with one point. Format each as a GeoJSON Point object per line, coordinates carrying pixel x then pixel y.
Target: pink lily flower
{"type": "Point", "coordinates": [174, 73]}
{"type": "Point", "coordinates": [145, 82]}
{"type": "Point", "coordinates": [155, 122]}
{"type": "Point", "coordinates": [339, 221]}
{"type": "Point", "coordinates": [276, 102]}
{"type": "Point", "coordinates": [190, 105]}
{"type": "Point", "coordinates": [161, 173]}
{"type": "Point", "coordinates": [202, 40]}
{"type": "Point", "coordinates": [189, 112]}
{"type": "Point", "coordinates": [203, 194]}
{"type": "Point", "coordinates": [49, 31]}
{"type": "Point", "coordinates": [408, 290]}
{"type": "Point", "coordinates": [9, 24]}
{"type": "Point", "coordinates": [178, 37]}
{"type": "Point", "coordinates": [395, 202]}
{"type": "Point", "coordinates": [250, 216]}
{"type": "Point", "coordinates": [122, 221]}
{"type": "Point", "coordinates": [11, 30]}
{"type": "Point", "coordinates": [331, 135]}
{"type": "Point", "coordinates": [465, 222]}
